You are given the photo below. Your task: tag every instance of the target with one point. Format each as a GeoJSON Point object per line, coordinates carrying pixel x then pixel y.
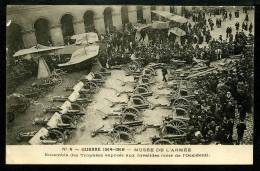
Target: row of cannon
{"type": "Point", "coordinates": [172, 130]}
{"type": "Point", "coordinates": [59, 127]}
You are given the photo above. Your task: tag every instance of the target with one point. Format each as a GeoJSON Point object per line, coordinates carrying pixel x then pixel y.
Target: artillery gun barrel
{"type": "Point", "coordinates": [82, 100]}
{"type": "Point", "coordinates": [68, 89]}
{"type": "Point", "coordinates": [86, 91]}
{"type": "Point", "coordinates": [59, 99]}
{"type": "Point", "coordinates": [142, 106]}
{"type": "Point", "coordinates": [133, 123]}
{"type": "Point", "coordinates": [146, 94]}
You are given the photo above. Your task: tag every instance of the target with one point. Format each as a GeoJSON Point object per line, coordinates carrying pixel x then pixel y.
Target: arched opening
{"type": "Point", "coordinates": [140, 16]}
{"type": "Point", "coordinates": [124, 15]}
{"type": "Point", "coordinates": [67, 27]}
{"type": "Point", "coordinates": [89, 21]}
{"type": "Point", "coordinates": [42, 32]}
{"type": "Point", "coordinates": [154, 16]}
{"type": "Point", "coordinates": [108, 20]}
{"type": "Point", "coordinates": [14, 39]}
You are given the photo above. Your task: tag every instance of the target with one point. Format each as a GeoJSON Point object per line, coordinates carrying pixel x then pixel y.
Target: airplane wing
{"type": "Point", "coordinates": [82, 54]}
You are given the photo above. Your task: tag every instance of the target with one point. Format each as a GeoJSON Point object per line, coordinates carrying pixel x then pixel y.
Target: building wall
{"type": "Point", "coordinates": [27, 15]}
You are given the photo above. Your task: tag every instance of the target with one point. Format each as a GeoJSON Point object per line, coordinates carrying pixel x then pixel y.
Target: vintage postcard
{"type": "Point", "coordinates": [129, 84]}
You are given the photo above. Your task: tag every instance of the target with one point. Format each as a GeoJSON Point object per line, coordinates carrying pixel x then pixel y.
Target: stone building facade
{"type": "Point", "coordinates": [32, 24]}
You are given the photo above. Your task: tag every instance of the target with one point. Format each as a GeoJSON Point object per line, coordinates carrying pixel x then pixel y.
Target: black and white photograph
{"type": "Point", "coordinates": [129, 75]}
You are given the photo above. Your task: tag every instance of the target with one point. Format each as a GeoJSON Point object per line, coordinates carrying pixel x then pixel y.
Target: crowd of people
{"type": "Point", "coordinates": [218, 95]}
{"type": "Point", "coordinates": [159, 45]}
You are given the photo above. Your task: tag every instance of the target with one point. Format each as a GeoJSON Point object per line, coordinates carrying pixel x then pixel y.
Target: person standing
{"type": "Point", "coordinates": [230, 16]}
{"type": "Point", "coordinates": [231, 37]}
{"type": "Point", "coordinates": [164, 73]}
{"type": "Point", "coordinates": [247, 18]}
{"type": "Point", "coordinates": [246, 26]}
{"type": "Point", "coordinates": [237, 25]}
{"type": "Point", "coordinates": [241, 127]}
{"type": "Point", "coordinates": [227, 31]}
{"type": "Point", "coordinates": [250, 27]}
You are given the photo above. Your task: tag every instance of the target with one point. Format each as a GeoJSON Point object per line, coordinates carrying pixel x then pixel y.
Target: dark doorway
{"type": "Point", "coordinates": [124, 15]}
{"type": "Point", "coordinates": [89, 21]}
{"type": "Point", "coordinates": [42, 32]}
{"type": "Point", "coordinates": [67, 27]}
{"type": "Point", "coordinates": [108, 20]}
{"type": "Point", "coordinates": [140, 16]}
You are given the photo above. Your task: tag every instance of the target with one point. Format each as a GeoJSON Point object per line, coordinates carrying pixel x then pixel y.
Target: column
{"type": "Point", "coordinates": [100, 25]}
{"type": "Point", "coordinates": [179, 10]}
{"type": "Point", "coordinates": [116, 15]}
{"type": "Point", "coordinates": [29, 39]}
{"type": "Point", "coordinates": [132, 14]}
{"type": "Point", "coordinates": [167, 8]}
{"type": "Point", "coordinates": [147, 14]}
{"type": "Point", "coordinates": [99, 21]}
{"type": "Point", "coordinates": [79, 27]}
{"type": "Point", "coordinates": [56, 35]}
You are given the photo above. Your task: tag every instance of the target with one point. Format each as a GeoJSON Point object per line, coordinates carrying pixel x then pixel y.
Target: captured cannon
{"type": "Point", "coordinates": [65, 98]}
{"type": "Point", "coordinates": [33, 92]}
{"type": "Point", "coordinates": [90, 85]}
{"type": "Point", "coordinates": [16, 104]}
{"type": "Point", "coordinates": [63, 121]}
{"type": "Point", "coordinates": [143, 90]}
{"type": "Point", "coordinates": [149, 71]}
{"type": "Point", "coordinates": [174, 127]}
{"type": "Point", "coordinates": [172, 131]}
{"type": "Point", "coordinates": [144, 79]}
{"type": "Point", "coordinates": [133, 67]}
{"type": "Point", "coordinates": [125, 113]}
{"type": "Point", "coordinates": [24, 135]}
{"type": "Point", "coordinates": [120, 131]}
{"type": "Point", "coordinates": [182, 103]}
{"type": "Point", "coordinates": [50, 136]}
{"type": "Point", "coordinates": [139, 102]}
{"type": "Point", "coordinates": [94, 77]}
{"type": "Point", "coordinates": [69, 112]}
{"type": "Point", "coordinates": [117, 132]}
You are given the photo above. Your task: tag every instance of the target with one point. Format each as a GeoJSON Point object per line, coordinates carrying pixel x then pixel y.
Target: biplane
{"type": "Point", "coordinates": [85, 48]}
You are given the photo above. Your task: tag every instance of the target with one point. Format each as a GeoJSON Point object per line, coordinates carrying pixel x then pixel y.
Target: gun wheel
{"type": "Point", "coordinates": [90, 85]}
{"type": "Point", "coordinates": [133, 66]}
{"type": "Point", "coordinates": [56, 134]}
{"type": "Point", "coordinates": [129, 116]}
{"type": "Point", "coordinates": [66, 119]}
{"type": "Point", "coordinates": [121, 135]}
{"type": "Point", "coordinates": [162, 142]}
{"type": "Point", "coordinates": [170, 129]}
{"type": "Point", "coordinates": [131, 110]}
{"type": "Point", "coordinates": [123, 128]}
